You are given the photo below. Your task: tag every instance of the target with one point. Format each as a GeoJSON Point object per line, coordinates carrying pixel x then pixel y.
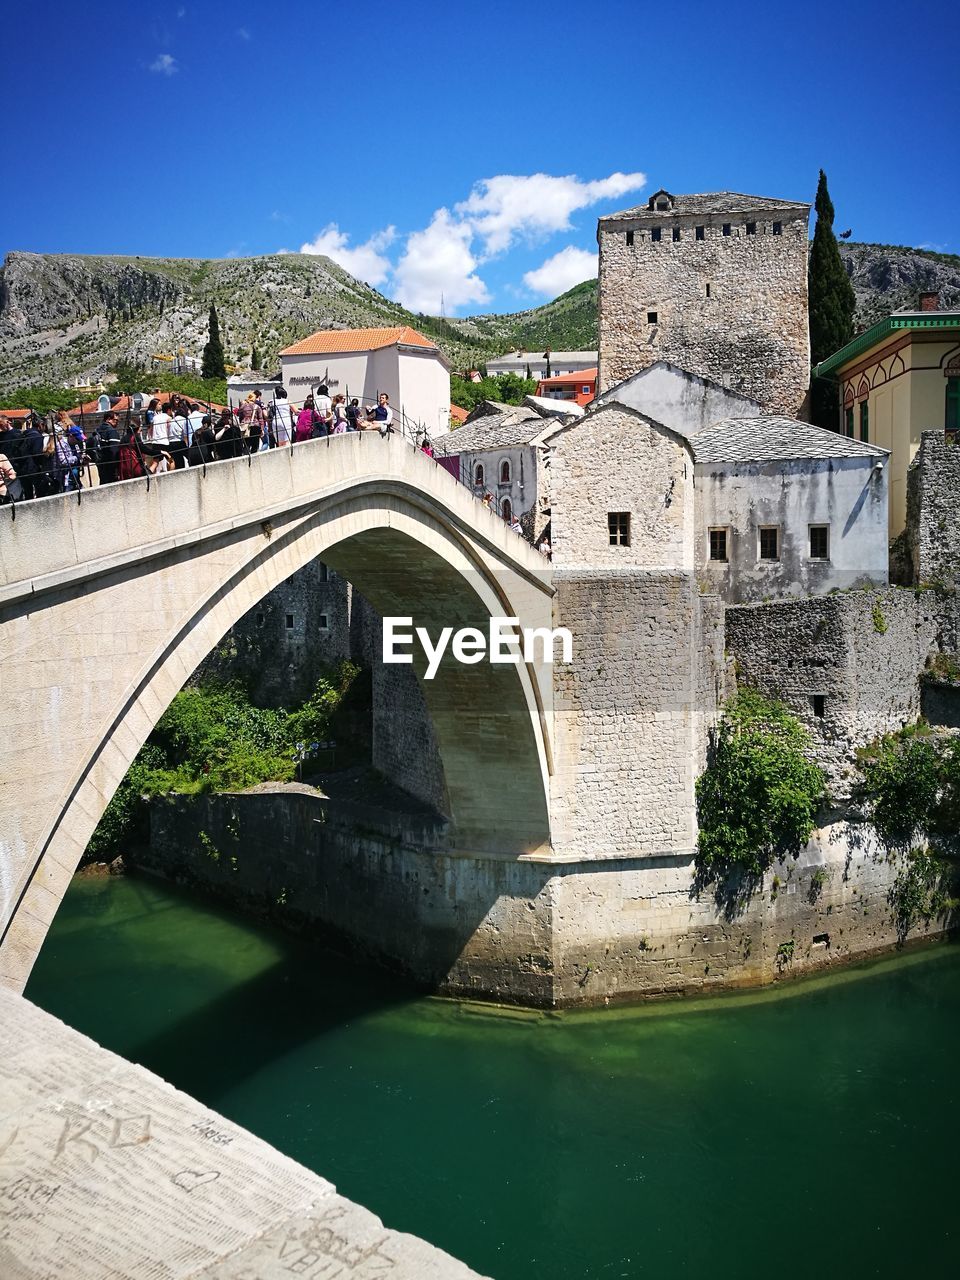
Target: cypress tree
{"type": "Point", "coordinates": [255, 360]}
{"type": "Point", "coordinates": [832, 304]}
{"type": "Point", "coordinates": [213, 365]}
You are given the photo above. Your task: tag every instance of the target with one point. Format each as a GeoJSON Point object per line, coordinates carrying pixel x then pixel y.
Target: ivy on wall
{"type": "Point", "coordinates": [758, 798]}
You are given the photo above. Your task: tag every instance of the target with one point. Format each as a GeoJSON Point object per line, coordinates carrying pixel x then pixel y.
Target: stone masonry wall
{"type": "Point", "coordinates": [524, 932]}
{"type": "Point", "coordinates": [861, 651]}
{"type": "Point", "coordinates": [751, 332]}
{"type": "Point", "coordinates": [933, 510]}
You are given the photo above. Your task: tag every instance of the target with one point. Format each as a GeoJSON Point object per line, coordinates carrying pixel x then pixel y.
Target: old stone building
{"type": "Point", "coordinates": [716, 284]}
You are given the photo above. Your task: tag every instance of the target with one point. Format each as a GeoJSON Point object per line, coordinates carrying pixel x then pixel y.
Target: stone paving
{"type": "Point", "coordinates": [108, 1171]}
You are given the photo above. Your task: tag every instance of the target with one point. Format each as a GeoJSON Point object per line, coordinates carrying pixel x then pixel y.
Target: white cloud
{"type": "Point", "coordinates": [164, 65]}
{"type": "Point", "coordinates": [437, 266]}
{"type": "Point", "coordinates": [243, 33]}
{"type": "Point", "coordinates": [181, 12]}
{"type": "Point", "coordinates": [366, 261]}
{"type": "Point", "coordinates": [561, 272]}
{"type": "Point", "coordinates": [508, 207]}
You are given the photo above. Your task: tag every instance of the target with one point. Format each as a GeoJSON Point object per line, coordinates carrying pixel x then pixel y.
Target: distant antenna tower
{"type": "Point", "coordinates": [443, 314]}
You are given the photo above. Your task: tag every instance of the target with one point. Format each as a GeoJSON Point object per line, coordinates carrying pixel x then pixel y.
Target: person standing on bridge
{"type": "Point", "coordinates": [280, 420]}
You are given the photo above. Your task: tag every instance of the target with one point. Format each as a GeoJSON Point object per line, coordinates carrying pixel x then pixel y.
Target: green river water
{"type": "Point", "coordinates": [811, 1131]}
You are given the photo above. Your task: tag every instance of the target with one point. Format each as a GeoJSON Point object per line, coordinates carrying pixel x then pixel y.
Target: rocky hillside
{"type": "Point", "coordinates": [63, 316]}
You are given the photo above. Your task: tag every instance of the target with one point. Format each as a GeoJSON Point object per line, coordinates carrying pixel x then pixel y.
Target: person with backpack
{"type": "Point", "coordinates": [105, 449]}
{"type": "Point", "coordinates": [309, 422]}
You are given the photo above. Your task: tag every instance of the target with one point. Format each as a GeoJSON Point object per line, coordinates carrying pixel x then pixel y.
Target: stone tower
{"type": "Point", "coordinates": [716, 284]}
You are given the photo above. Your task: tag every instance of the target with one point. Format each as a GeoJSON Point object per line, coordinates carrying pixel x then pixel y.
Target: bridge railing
{"type": "Point", "coordinates": [47, 475]}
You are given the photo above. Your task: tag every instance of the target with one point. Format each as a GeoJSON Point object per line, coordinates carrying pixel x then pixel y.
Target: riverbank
{"type": "Point", "coordinates": [376, 873]}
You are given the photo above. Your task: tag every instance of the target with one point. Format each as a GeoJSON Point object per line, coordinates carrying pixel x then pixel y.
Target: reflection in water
{"type": "Point", "coordinates": [816, 1128]}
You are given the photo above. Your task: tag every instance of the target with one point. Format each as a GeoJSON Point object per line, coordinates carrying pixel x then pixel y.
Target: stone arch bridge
{"type": "Point", "coordinates": [109, 603]}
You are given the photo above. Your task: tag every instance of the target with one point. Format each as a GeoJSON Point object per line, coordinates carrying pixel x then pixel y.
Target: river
{"type": "Point", "coordinates": [812, 1130]}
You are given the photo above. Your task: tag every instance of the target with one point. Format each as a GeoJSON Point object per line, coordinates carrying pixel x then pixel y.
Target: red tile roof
{"type": "Point", "coordinates": [15, 415]}
{"type": "Point", "coordinates": [334, 340]}
{"type": "Point", "coordinates": [585, 375]}
{"type": "Point", "coordinates": [459, 415]}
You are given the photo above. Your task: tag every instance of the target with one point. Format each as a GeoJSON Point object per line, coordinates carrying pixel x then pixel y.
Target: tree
{"type": "Point", "coordinates": [213, 365]}
{"type": "Point", "coordinates": [832, 304]}
{"type": "Point", "coordinates": [255, 359]}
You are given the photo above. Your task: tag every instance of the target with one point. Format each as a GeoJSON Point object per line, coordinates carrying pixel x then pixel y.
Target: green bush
{"type": "Point", "coordinates": [757, 799]}
{"type": "Point", "coordinates": [212, 738]}
{"type": "Point", "coordinates": [901, 784]}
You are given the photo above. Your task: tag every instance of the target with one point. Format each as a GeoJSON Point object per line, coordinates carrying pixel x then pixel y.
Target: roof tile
{"type": "Point", "coordinates": [333, 340]}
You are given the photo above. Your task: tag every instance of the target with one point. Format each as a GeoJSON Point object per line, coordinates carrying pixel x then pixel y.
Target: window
{"type": "Point", "coordinates": [618, 524]}
{"type": "Point", "coordinates": [259, 619]}
{"type": "Point", "coordinates": [629, 237]}
{"type": "Point", "coordinates": [663, 205]}
{"type": "Point", "coordinates": [718, 544]}
{"type": "Point", "coordinates": [290, 620]}
{"type": "Point", "coordinates": [848, 421]}
{"type": "Point", "coordinates": [751, 228]}
{"type": "Point", "coordinates": [322, 622]}
{"type": "Point", "coordinates": [769, 542]}
{"type": "Point", "coordinates": [478, 474]}
{"type": "Point", "coordinates": [506, 509]}
{"type": "Point", "coordinates": [708, 289]}
{"type": "Point", "coordinates": [651, 317]}
{"type": "Point", "coordinates": [654, 233]}
{"type": "Point", "coordinates": [778, 228]}
{"type": "Point", "coordinates": [819, 705]}
{"type": "Point", "coordinates": [951, 418]}
{"type": "Point", "coordinates": [505, 471]}
{"type": "Point", "coordinates": [865, 420]}
{"type": "Point", "coordinates": [584, 388]}
{"type": "Point", "coordinates": [726, 228]}
{"type": "Point", "coordinates": [819, 542]}
{"type": "Point", "coordinates": [676, 233]}
{"type": "Point", "coordinates": [699, 233]}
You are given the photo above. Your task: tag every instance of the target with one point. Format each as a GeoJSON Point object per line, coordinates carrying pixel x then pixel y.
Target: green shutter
{"type": "Point", "coordinates": [951, 419]}
{"type": "Point", "coordinates": [865, 421]}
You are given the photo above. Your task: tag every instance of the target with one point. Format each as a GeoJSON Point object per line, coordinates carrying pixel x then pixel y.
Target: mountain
{"type": "Point", "coordinates": [64, 315]}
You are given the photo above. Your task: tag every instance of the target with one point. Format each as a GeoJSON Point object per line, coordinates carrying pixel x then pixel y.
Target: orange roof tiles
{"type": "Point", "coordinates": [331, 340]}
{"type": "Point", "coordinates": [458, 415]}
{"type": "Point", "coordinates": [585, 375]}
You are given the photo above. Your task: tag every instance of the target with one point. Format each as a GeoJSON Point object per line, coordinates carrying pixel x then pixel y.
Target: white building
{"type": "Point", "coordinates": [782, 508]}
{"type": "Point", "coordinates": [363, 363]}
{"type": "Point", "coordinates": [496, 453]}
{"type": "Point", "coordinates": [560, 362]}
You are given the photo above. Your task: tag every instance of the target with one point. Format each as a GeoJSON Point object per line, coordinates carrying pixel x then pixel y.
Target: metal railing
{"type": "Point", "coordinates": [53, 477]}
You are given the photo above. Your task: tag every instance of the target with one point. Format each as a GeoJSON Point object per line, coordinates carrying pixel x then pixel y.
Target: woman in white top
{"type": "Point", "coordinates": [281, 420]}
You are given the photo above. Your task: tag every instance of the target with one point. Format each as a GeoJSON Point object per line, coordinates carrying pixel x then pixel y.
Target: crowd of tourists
{"type": "Point", "coordinates": [40, 456]}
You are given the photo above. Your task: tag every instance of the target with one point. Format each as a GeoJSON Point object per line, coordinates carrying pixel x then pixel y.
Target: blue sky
{"type": "Point", "coordinates": [465, 149]}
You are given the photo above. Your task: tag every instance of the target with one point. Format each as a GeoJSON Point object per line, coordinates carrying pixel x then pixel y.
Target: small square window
{"type": "Point", "coordinates": [751, 228]}
{"type": "Point", "coordinates": [676, 233]}
{"type": "Point", "coordinates": [322, 622]}
{"type": "Point", "coordinates": [819, 705]}
{"type": "Point", "coordinates": [718, 544]}
{"type": "Point", "coordinates": [726, 228]}
{"type": "Point", "coordinates": [654, 233]}
{"type": "Point", "coordinates": [584, 388]}
{"type": "Point", "coordinates": [819, 542]}
{"type": "Point", "coordinates": [770, 542]}
{"type": "Point", "coordinates": [651, 317]}
{"type": "Point", "coordinates": [778, 228]}
{"type": "Point", "coordinates": [629, 237]}
{"type": "Point", "coordinates": [618, 525]}
{"type": "Point", "coordinates": [290, 621]}
{"type": "Point", "coordinates": [699, 231]}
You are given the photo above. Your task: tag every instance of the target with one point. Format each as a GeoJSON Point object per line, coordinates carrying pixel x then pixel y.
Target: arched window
{"type": "Point", "coordinates": [506, 509]}
{"type": "Point", "coordinates": [478, 474]}
{"type": "Point", "coordinates": [505, 471]}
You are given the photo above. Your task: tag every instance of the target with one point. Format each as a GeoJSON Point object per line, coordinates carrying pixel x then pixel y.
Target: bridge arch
{"type": "Point", "coordinates": [109, 625]}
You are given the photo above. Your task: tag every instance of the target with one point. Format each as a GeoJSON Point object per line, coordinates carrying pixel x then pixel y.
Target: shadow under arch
{"type": "Point", "coordinates": [408, 555]}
